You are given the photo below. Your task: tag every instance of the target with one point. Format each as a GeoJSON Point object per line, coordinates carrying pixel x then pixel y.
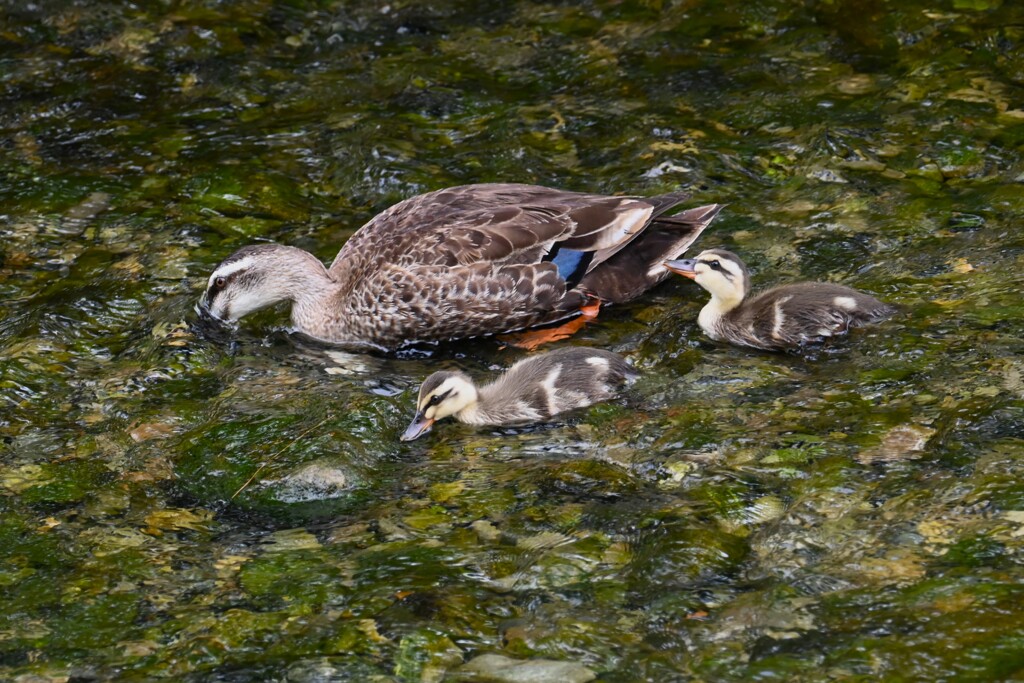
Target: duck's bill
{"type": "Point", "coordinates": [202, 307]}
{"type": "Point", "coordinates": [218, 315]}
{"type": "Point", "coordinates": [419, 426]}
{"type": "Point", "coordinates": [684, 267]}
{"type": "Point", "coordinates": [209, 326]}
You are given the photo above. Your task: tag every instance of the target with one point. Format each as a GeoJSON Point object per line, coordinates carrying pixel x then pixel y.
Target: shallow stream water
{"type": "Point", "coordinates": [188, 506]}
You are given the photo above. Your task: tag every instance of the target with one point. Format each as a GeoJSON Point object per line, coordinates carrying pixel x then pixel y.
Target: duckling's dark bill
{"type": "Point", "coordinates": [685, 267]}
{"type": "Point", "coordinates": [419, 426]}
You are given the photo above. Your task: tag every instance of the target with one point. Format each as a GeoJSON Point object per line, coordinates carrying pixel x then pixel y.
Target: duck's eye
{"type": "Point", "coordinates": [220, 283]}
{"type": "Point", "coordinates": [437, 398]}
{"type": "Point", "coordinates": [715, 265]}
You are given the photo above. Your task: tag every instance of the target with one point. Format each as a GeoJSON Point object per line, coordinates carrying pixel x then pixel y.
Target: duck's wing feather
{"type": "Point", "coordinates": [630, 272]}
{"type": "Point", "coordinates": [499, 223]}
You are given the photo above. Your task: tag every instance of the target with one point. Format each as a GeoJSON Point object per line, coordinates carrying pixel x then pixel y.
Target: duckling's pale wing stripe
{"type": "Point", "coordinates": [847, 303]}
{"type": "Point", "coordinates": [778, 325]}
{"type": "Point", "coordinates": [550, 385]}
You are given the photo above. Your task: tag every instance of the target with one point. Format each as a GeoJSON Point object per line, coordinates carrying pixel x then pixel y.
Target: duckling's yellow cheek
{"type": "Point", "coordinates": [430, 413]}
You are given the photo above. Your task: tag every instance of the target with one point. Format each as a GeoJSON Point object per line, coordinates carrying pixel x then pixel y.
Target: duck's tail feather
{"type": "Point", "coordinates": [634, 270]}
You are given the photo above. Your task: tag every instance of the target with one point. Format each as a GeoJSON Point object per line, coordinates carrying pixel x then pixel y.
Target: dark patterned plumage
{"type": "Point", "coordinates": [784, 317]}
{"type": "Point", "coordinates": [465, 261]}
{"type": "Point", "coordinates": [532, 390]}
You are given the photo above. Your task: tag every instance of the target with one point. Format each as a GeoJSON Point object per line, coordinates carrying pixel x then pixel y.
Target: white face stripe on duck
{"type": "Point", "coordinates": [261, 275]}
{"type": "Point", "coordinates": [230, 268]}
{"type": "Point", "coordinates": [237, 289]}
{"type": "Point", "coordinates": [226, 305]}
{"type": "Point", "coordinates": [219, 303]}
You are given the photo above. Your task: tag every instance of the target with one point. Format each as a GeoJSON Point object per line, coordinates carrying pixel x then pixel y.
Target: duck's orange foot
{"type": "Point", "coordinates": [532, 339]}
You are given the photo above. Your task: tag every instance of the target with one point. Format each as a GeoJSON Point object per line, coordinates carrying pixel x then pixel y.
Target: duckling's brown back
{"type": "Point", "coordinates": [560, 380]}
{"type": "Point", "coordinates": [801, 313]}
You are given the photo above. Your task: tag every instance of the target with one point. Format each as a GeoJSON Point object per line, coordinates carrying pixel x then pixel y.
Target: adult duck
{"type": "Point", "coordinates": [782, 318]}
{"type": "Point", "coordinates": [462, 262]}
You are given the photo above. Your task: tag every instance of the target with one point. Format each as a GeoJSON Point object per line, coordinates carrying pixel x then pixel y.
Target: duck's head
{"type": "Point", "coordinates": [252, 278]}
{"type": "Point", "coordinates": [720, 272]}
{"type": "Point", "coordinates": [442, 394]}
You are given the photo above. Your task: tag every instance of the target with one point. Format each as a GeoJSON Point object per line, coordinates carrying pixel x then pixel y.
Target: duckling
{"type": "Point", "coordinates": [463, 262]}
{"type": "Point", "coordinates": [532, 390]}
{"type": "Point", "coordinates": [780, 318]}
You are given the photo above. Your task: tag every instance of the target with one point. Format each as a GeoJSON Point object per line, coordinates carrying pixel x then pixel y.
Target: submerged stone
{"type": "Point", "coordinates": [493, 668]}
{"type": "Point", "coordinates": [313, 481]}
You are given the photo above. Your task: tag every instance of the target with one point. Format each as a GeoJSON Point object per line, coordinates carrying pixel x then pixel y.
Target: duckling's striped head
{"type": "Point", "coordinates": [720, 272]}
{"type": "Point", "coordinates": [444, 393]}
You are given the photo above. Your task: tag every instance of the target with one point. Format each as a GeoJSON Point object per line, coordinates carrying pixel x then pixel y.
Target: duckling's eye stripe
{"type": "Point", "coordinates": [437, 398]}
{"type": "Point", "coordinates": [717, 265]}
